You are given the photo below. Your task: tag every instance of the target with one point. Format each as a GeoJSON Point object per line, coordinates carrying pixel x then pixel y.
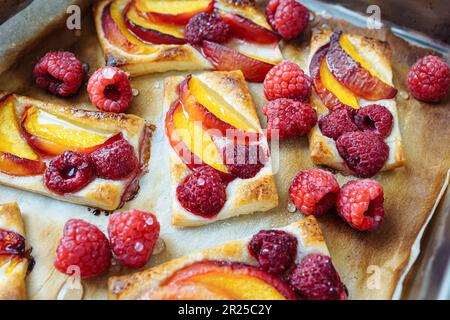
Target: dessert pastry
{"type": "Point", "coordinates": [358, 130]}
{"type": "Point", "coordinates": [149, 36]}
{"type": "Point", "coordinates": [13, 251]}
{"type": "Point", "coordinates": [71, 155]}
{"type": "Point", "coordinates": [218, 156]}
{"type": "Point", "coordinates": [241, 270]}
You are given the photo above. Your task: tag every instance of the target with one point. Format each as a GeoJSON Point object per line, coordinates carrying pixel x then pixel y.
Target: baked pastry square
{"type": "Point", "coordinates": [36, 133]}
{"type": "Point", "coordinates": [13, 250]}
{"type": "Point", "coordinates": [208, 117]}
{"type": "Point", "coordinates": [227, 271]}
{"type": "Point", "coordinates": [353, 72]}
{"type": "Point", "coordinates": [148, 36]}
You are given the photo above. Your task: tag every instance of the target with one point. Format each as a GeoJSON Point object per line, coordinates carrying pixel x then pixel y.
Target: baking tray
{"type": "Point", "coordinates": [53, 214]}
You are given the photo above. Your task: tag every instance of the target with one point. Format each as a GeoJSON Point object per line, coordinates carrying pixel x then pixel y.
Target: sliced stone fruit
{"type": "Point", "coordinates": [187, 291]}
{"type": "Point", "coordinates": [248, 11]}
{"type": "Point", "coordinates": [173, 12]}
{"type": "Point", "coordinates": [244, 282]}
{"type": "Point", "coordinates": [190, 141]}
{"type": "Point", "coordinates": [227, 59]}
{"type": "Point", "coordinates": [352, 74]}
{"type": "Point", "coordinates": [151, 31]}
{"type": "Point", "coordinates": [53, 135]}
{"type": "Point", "coordinates": [246, 29]}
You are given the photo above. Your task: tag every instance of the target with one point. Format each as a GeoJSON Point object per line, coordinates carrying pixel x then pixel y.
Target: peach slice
{"type": "Point", "coordinates": [246, 29]}
{"type": "Point", "coordinates": [174, 12]}
{"type": "Point", "coordinates": [53, 135]}
{"type": "Point", "coordinates": [12, 140]}
{"type": "Point", "coordinates": [188, 291]}
{"type": "Point", "coordinates": [15, 166]}
{"type": "Point", "coordinates": [242, 281]}
{"type": "Point", "coordinates": [352, 74]}
{"type": "Point", "coordinates": [115, 30]}
{"type": "Point", "coordinates": [227, 59]}
{"type": "Point", "coordinates": [218, 106]}
{"type": "Point", "coordinates": [250, 12]}
{"type": "Point", "coordinates": [152, 31]}
{"type": "Point", "coordinates": [191, 142]}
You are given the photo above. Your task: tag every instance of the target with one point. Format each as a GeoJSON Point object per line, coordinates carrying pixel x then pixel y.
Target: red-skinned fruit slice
{"type": "Point", "coordinates": [226, 59]}
{"type": "Point", "coordinates": [240, 280]}
{"type": "Point", "coordinates": [247, 30]}
{"type": "Point", "coordinates": [15, 166]}
{"type": "Point", "coordinates": [180, 18]}
{"type": "Point", "coordinates": [352, 75]}
{"type": "Point", "coordinates": [11, 243]}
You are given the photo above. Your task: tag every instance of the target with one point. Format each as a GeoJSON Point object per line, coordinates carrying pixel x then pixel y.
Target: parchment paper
{"type": "Point", "coordinates": [370, 264]}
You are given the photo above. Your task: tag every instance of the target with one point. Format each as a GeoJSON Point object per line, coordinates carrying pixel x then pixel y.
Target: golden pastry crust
{"type": "Point", "coordinates": [128, 287]}
{"type": "Point", "coordinates": [13, 269]}
{"type": "Point", "coordinates": [244, 196]}
{"type": "Point", "coordinates": [323, 150]}
{"type": "Point", "coordinates": [164, 58]}
{"type": "Point", "coordinates": [100, 193]}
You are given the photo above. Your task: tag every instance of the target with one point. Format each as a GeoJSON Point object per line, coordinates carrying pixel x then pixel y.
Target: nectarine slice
{"type": "Point", "coordinates": [153, 32]}
{"type": "Point", "coordinates": [15, 166]}
{"type": "Point", "coordinates": [187, 291]}
{"type": "Point", "coordinates": [174, 12]}
{"type": "Point", "coordinates": [194, 137]}
{"type": "Point", "coordinates": [12, 140]}
{"type": "Point", "coordinates": [53, 135]}
{"type": "Point", "coordinates": [243, 281]}
{"type": "Point", "coordinates": [246, 29]}
{"type": "Point", "coordinates": [250, 12]}
{"type": "Point", "coordinates": [352, 74]}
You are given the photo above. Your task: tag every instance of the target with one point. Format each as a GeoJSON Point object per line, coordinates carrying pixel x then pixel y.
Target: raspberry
{"type": "Point", "coordinates": [133, 236]}
{"type": "Point", "coordinates": [11, 243]}
{"type": "Point", "coordinates": [288, 17]}
{"type": "Point", "coordinates": [206, 26]}
{"type": "Point", "coordinates": [69, 172]}
{"type": "Point", "coordinates": [360, 203]}
{"type": "Point", "coordinates": [115, 161]}
{"type": "Point", "coordinates": [314, 191]}
{"type": "Point", "coordinates": [275, 250]}
{"type": "Point", "coordinates": [83, 245]}
{"type": "Point", "coordinates": [109, 90]}
{"type": "Point", "coordinates": [374, 118]}
{"type": "Point", "coordinates": [429, 79]}
{"type": "Point", "coordinates": [60, 73]}
{"type": "Point", "coordinates": [289, 117]}
{"type": "Point", "coordinates": [365, 153]}
{"type": "Point", "coordinates": [202, 192]}
{"type": "Point", "coordinates": [338, 122]}
{"type": "Point", "coordinates": [315, 278]}
{"type": "Point", "coordinates": [244, 161]}
{"type": "Point", "coordinates": [287, 80]}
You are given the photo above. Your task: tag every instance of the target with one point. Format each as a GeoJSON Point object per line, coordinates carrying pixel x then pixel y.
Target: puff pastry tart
{"type": "Point", "coordinates": [85, 157]}
{"type": "Point", "coordinates": [358, 130]}
{"type": "Point", "coordinates": [218, 156]}
{"type": "Point", "coordinates": [235, 270]}
{"type": "Point", "coordinates": [144, 36]}
{"type": "Point", "coordinates": [13, 251]}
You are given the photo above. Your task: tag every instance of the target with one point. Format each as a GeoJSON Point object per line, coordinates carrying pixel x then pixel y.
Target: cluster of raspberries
{"type": "Point", "coordinates": [313, 278]}
{"type": "Point", "coordinates": [359, 202]}
{"type": "Point", "coordinates": [72, 171]}
{"type": "Point", "coordinates": [359, 136]}
{"type": "Point", "coordinates": [132, 235]}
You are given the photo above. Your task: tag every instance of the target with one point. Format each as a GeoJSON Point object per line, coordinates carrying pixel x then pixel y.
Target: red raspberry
{"type": "Point", "coordinates": [133, 236]}
{"type": "Point", "coordinates": [365, 153]}
{"type": "Point", "coordinates": [289, 117]}
{"type": "Point", "coordinates": [429, 79]}
{"type": "Point", "coordinates": [315, 278]}
{"type": "Point", "coordinates": [115, 161]}
{"type": "Point", "coordinates": [244, 161]}
{"type": "Point", "coordinates": [69, 172]}
{"type": "Point", "coordinates": [288, 17]}
{"type": "Point", "coordinates": [360, 203]}
{"type": "Point", "coordinates": [374, 118]}
{"type": "Point", "coordinates": [83, 245]}
{"type": "Point", "coordinates": [202, 192]}
{"type": "Point", "coordinates": [206, 26]}
{"type": "Point", "coordinates": [109, 90]}
{"type": "Point", "coordinates": [11, 243]}
{"type": "Point", "coordinates": [275, 250]}
{"type": "Point", "coordinates": [314, 191]}
{"type": "Point", "coordinates": [338, 122]}
{"type": "Point", "coordinates": [287, 80]}
{"type": "Point", "coordinates": [60, 73]}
